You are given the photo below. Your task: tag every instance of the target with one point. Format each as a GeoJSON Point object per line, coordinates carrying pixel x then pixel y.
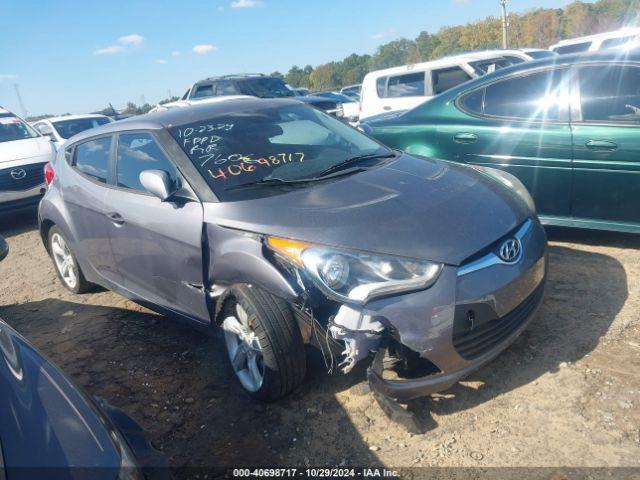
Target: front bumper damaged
{"type": "Point", "coordinates": [462, 322]}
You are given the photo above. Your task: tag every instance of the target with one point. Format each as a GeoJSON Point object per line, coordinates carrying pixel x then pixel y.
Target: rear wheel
{"type": "Point", "coordinates": [263, 342]}
{"type": "Point", "coordinates": [66, 265]}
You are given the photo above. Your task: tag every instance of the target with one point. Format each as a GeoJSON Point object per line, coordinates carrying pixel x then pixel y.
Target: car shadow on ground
{"type": "Point", "coordinates": [584, 293]}
{"type": "Point", "coordinates": [177, 382]}
{"type": "Point", "coordinates": [12, 224]}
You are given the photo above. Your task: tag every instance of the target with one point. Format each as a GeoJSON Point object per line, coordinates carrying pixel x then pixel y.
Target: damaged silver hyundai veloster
{"type": "Point", "coordinates": [285, 226]}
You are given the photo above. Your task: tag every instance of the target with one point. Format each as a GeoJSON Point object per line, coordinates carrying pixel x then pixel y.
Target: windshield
{"type": "Point", "coordinates": [12, 128]}
{"type": "Point", "coordinates": [265, 87]}
{"type": "Point", "coordinates": [69, 128]}
{"type": "Point", "coordinates": [290, 143]}
{"type": "Point", "coordinates": [482, 67]}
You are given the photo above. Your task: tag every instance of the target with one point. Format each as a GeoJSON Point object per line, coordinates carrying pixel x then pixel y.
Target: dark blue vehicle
{"type": "Point", "coordinates": [50, 429]}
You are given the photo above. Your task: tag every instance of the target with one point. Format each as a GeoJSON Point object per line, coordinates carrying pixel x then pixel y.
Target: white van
{"type": "Point", "coordinates": [23, 155]}
{"type": "Point", "coordinates": [601, 41]}
{"type": "Point", "coordinates": [402, 88]}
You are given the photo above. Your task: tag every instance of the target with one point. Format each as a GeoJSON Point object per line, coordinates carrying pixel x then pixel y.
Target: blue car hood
{"type": "Point", "coordinates": [45, 421]}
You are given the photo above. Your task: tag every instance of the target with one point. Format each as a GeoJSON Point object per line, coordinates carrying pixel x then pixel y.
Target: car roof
{"type": "Point", "coordinates": [616, 33]}
{"type": "Point", "coordinates": [73, 117]}
{"type": "Point", "coordinates": [607, 56]}
{"type": "Point", "coordinates": [441, 62]}
{"type": "Point", "coordinates": [181, 116]}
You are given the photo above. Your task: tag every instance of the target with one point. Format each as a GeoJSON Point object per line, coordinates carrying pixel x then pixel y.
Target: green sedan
{"type": "Point", "coordinates": [568, 127]}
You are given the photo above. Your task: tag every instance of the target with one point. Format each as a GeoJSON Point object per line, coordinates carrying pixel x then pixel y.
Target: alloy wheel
{"type": "Point", "coordinates": [64, 261]}
{"type": "Point", "coordinates": [244, 349]}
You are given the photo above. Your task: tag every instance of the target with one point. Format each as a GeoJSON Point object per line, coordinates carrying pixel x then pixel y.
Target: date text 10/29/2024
{"type": "Point", "coordinates": [309, 472]}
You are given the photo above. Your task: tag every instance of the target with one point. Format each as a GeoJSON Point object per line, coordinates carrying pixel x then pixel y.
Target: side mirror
{"type": "Point", "coordinates": [158, 183]}
{"type": "Point", "coordinates": [4, 248]}
{"type": "Point", "coordinates": [46, 130]}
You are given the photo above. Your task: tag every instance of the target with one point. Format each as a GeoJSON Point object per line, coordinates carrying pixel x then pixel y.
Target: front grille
{"type": "Point", "coordinates": [473, 338]}
{"type": "Point", "coordinates": [34, 177]}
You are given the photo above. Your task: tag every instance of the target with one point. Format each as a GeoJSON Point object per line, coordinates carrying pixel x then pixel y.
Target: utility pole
{"type": "Point", "coordinates": [505, 24]}
{"type": "Point", "coordinates": [24, 110]}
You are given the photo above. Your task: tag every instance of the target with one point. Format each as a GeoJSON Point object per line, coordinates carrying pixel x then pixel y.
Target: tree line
{"type": "Point", "coordinates": [537, 28]}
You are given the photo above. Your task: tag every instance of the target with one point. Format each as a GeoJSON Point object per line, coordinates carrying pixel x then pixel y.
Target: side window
{"type": "Point", "coordinates": [186, 94]}
{"type": "Point", "coordinates": [575, 48]}
{"type": "Point", "coordinates": [92, 158]}
{"type": "Point", "coordinates": [138, 152]}
{"type": "Point", "coordinates": [203, 91]}
{"type": "Point", "coordinates": [409, 85]}
{"type": "Point", "coordinates": [474, 101]}
{"type": "Point", "coordinates": [225, 87]}
{"type": "Point", "coordinates": [614, 42]}
{"type": "Point", "coordinates": [447, 78]}
{"type": "Point", "coordinates": [537, 96]}
{"type": "Point", "coordinates": [68, 155]}
{"type": "Point", "coordinates": [610, 93]}
{"type": "Point", "coordinates": [381, 83]}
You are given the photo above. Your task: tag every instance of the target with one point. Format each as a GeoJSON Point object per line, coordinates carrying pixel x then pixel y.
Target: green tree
{"type": "Point", "coordinates": [392, 54]}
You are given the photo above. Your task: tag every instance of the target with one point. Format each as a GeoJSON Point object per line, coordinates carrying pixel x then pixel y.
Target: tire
{"type": "Point", "coordinates": [63, 258]}
{"type": "Point", "coordinates": [271, 340]}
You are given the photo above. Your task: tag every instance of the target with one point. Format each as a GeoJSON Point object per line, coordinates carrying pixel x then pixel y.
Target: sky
{"type": "Point", "coordinates": [75, 56]}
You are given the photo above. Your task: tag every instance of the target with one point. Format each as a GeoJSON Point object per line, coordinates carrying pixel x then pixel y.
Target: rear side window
{"type": "Point", "coordinates": [447, 78]}
{"type": "Point", "coordinates": [575, 48]}
{"type": "Point", "coordinates": [537, 96]}
{"type": "Point", "coordinates": [92, 158]}
{"type": "Point", "coordinates": [138, 152]}
{"type": "Point", "coordinates": [225, 87]}
{"type": "Point", "coordinates": [409, 85]}
{"type": "Point", "coordinates": [614, 42]}
{"type": "Point", "coordinates": [610, 94]}
{"type": "Point", "coordinates": [203, 91]}
{"type": "Point", "coordinates": [381, 83]}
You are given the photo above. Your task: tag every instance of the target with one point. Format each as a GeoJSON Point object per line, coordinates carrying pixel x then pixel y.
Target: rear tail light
{"type": "Point", "coordinates": [49, 174]}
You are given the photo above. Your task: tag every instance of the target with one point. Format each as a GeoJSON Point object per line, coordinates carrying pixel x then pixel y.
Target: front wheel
{"type": "Point", "coordinates": [264, 343]}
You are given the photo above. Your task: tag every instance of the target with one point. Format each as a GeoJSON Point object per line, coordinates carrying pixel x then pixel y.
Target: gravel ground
{"type": "Point", "coordinates": [566, 393]}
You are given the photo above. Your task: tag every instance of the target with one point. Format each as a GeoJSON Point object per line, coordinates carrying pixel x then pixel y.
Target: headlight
{"type": "Point", "coordinates": [356, 277]}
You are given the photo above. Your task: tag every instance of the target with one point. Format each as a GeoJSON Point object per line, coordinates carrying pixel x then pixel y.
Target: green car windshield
{"type": "Point", "coordinates": [282, 143]}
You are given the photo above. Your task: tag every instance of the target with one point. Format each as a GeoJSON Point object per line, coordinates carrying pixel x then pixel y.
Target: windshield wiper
{"type": "Point", "coordinates": [351, 161]}
{"type": "Point", "coordinates": [269, 182]}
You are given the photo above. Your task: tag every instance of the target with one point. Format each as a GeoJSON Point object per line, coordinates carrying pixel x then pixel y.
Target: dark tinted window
{"type": "Point", "coordinates": [610, 93]}
{"type": "Point", "coordinates": [69, 128]}
{"type": "Point", "coordinates": [409, 85]}
{"type": "Point", "coordinates": [482, 67]}
{"type": "Point", "coordinates": [264, 87]}
{"type": "Point", "coordinates": [225, 87]}
{"type": "Point", "coordinates": [513, 59]}
{"type": "Point", "coordinates": [535, 96]}
{"type": "Point", "coordinates": [473, 101]}
{"type": "Point", "coordinates": [614, 42]}
{"type": "Point", "coordinates": [448, 78]}
{"type": "Point", "coordinates": [92, 158]}
{"type": "Point", "coordinates": [203, 91]}
{"type": "Point", "coordinates": [12, 128]}
{"type": "Point", "coordinates": [138, 152]}
{"type": "Point", "coordinates": [575, 48]}
{"type": "Point", "coordinates": [381, 83]}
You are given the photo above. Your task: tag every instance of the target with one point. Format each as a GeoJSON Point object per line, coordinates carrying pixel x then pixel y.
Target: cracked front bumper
{"type": "Point", "coordinates": [465, 320]}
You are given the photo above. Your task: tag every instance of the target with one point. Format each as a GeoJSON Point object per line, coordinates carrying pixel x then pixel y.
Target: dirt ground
{"type": "Point", "coordinates": [567, 393]}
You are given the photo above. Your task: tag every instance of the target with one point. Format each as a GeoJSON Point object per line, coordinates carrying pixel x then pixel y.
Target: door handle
{"type": "Point", "coordinates": [386, 107]}
{"type": "Point", "coordinates": [601, 145]}
{"type": "Point", "coordinates": [115, 218]}
{"type": "Point", "coordinates": [465, 137]}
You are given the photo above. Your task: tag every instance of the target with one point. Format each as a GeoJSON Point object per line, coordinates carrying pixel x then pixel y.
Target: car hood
{"type": "Point", "coordinates": [27, 148]}
{"type": "Point", "coordinates": [45, 421]}
{"type": "Point", "coordinates": [413, 207]}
